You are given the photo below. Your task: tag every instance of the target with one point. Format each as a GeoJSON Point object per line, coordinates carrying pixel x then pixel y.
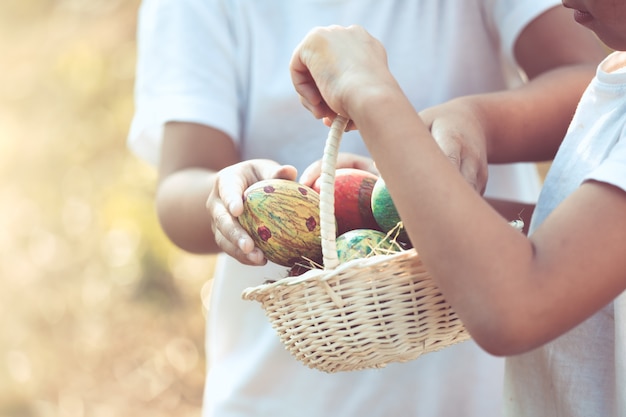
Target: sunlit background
{"type": "Point", "coordinates": [99, 314]}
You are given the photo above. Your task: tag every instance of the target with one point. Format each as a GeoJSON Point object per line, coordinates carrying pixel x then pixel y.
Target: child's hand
{"type": "Point", "coordinates": [344, 160]}
{"type": "Point", "coordinates": [335, 69]}
{"type": "Point", "coordinates": [460, 135]}
{"type": "Point", "coordinates": [336, 66]}
{"type": "Point", "coordinates": [225, 204]}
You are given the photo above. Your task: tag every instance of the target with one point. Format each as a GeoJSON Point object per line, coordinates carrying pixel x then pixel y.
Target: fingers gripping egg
{"type": "Point", "coordinates": [282, 217]}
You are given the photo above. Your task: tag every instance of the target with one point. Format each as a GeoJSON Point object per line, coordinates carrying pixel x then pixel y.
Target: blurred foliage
{"type": "Point", "coordinates": [100, 314]}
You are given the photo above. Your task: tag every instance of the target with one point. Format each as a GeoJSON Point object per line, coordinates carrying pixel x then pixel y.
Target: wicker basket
{"type": "Point", "coordinates": [364, 313]}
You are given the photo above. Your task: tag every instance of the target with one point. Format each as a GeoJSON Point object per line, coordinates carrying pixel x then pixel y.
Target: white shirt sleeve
{"type": "Point", "coordinates": [184, 71]}
{"type": "Point", "coordinates": [613, 169]}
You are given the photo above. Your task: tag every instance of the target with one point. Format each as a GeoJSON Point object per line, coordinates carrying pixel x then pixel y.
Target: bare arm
{"type": "Point", "coordinates": [553, 40]}
{"type": "Point", "coordinates": [559, 57]}
{"type": "Point", "coordinates": [201, 181]}
{"type": "Point", "coordinates": [528, 124]}
{"type": "Point", "coordinates": [191, 156]}
{"type": "Point", "coordinates": [514, 293]}
{"type": "Point", "coordinates": [547, 58]}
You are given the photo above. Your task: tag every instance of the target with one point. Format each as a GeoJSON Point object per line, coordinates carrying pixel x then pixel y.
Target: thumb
{"type": "Point", "coordinates": [285, 172]}
{"type": "Point", "coordinates": [311, 173]}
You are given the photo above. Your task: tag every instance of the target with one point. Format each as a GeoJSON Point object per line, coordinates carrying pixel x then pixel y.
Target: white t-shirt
{"type": "Point", "coordinates": [224, 63]}
{"type": "Point", "coordinates": [580, 374]}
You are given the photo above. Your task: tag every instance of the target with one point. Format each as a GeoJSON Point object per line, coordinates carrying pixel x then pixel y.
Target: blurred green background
{"type": "Point", "coordinates": [99, 314]}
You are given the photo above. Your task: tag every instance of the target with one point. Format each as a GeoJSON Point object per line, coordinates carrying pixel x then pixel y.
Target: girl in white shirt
{"type": "Point", "coordinates": [552, 302]}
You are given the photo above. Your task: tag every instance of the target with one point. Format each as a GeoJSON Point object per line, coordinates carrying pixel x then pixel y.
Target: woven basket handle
{"type": "Point", "coordinates": [328, 227]}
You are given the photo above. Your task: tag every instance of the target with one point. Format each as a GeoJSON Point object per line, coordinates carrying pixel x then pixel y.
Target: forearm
{"type": "Point", "coordinates": [181, 208]}
{"type": "Point", "coordinates": [502, 284]}
{"type": "Point", "coordinates": [455, 231]}
{"type": "Point", "coordinates": [528, 123]}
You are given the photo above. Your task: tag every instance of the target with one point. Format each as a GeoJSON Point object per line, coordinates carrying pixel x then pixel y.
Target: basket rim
{"type": "Point", "coordinates": [321, 275]}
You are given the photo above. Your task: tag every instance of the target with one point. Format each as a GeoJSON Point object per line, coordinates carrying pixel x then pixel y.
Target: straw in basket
{"type": "Point", "coordinates": [363, 313]}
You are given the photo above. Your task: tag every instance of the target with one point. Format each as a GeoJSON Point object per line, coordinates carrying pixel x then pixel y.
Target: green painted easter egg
{"type": "Point", "coordinates": [361, 243]}
{"type": "Point", "coordinates": [385, 212]}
